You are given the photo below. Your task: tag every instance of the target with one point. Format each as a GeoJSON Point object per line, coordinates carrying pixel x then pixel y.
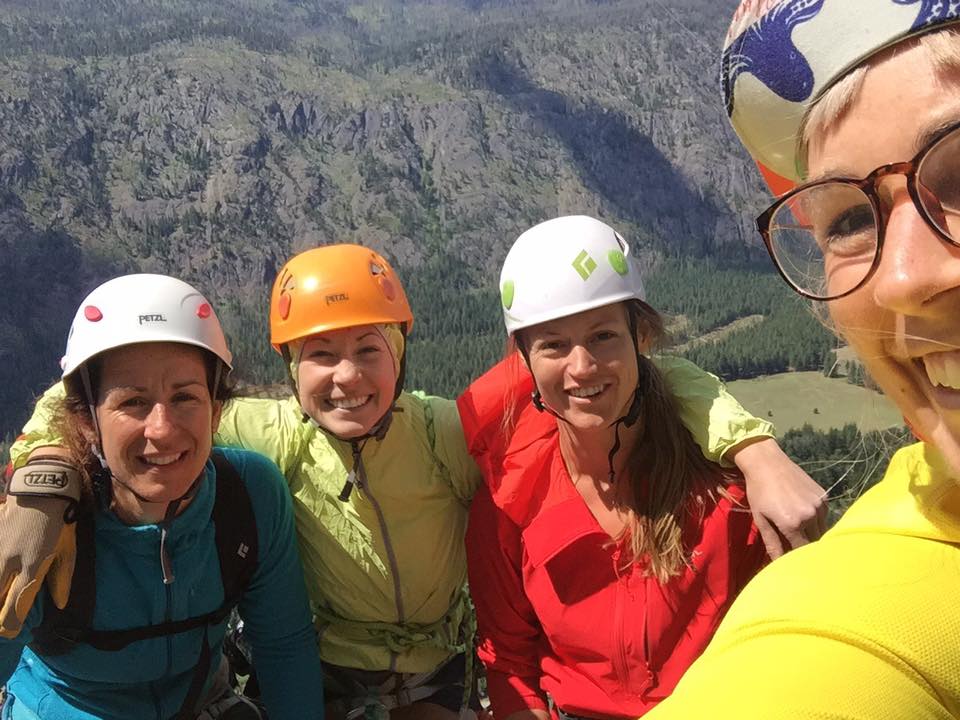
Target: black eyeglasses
{"type": "Point", "coordinates": [826, 237]}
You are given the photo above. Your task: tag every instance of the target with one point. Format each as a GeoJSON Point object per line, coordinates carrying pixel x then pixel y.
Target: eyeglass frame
{"type": "Point", "coordinates": [868, 186]}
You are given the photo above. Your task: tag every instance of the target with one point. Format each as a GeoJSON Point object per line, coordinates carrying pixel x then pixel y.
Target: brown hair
{"type": "Point", "coordinates": [668, 478]}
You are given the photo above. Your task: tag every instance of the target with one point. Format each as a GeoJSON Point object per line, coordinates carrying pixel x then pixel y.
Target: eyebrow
{"type": "Point", "coordinates": [140, 388]}
{"type": "Point", "coordinates": [933, 132]}
{"type": "Point", "coordinates": [321, 338]}
{"type": "Point", "coordinates": [924, 137]}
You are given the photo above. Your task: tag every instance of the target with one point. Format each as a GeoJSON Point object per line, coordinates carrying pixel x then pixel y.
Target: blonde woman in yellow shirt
{"type": "Point", "coordinates": [852, 109]}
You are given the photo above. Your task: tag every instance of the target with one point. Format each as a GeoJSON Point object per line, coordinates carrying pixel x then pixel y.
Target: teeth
{"type": "Point", "coordinates": [161, 459]}
{"type": "Point", "coordinates": [349, 403]}
{"type": "Point", "coordinates": [586, 391]}
{"type": "Point", "coordinates": [943, 369]}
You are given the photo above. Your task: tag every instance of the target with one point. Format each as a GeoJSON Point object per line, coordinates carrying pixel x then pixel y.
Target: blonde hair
{"type": "Point", "coordinates": [668, 480]}
{"type": "Point", "coordinates": [941, 48]}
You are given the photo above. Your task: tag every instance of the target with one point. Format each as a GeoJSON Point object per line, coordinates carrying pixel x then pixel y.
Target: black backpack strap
{"type": "Point", "coordinates": [56, 632]}
{"type": "Point", "coordinates": [235, 526]}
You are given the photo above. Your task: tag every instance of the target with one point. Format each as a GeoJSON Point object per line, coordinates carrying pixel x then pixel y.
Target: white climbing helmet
{"type": "Point", "coordinates": [141, 309]}
{"type": "Point", "coordinates": [565, 266]}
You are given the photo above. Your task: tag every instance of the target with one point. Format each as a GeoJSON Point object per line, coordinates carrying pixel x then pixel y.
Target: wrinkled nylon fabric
{"type": "Point", "coordinates": [862, 624]}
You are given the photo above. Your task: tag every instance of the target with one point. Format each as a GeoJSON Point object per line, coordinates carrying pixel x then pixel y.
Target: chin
{"type": "Point", "coordinates": [584, 422]}
{"type": "Point", "coordinates": [346, 429]}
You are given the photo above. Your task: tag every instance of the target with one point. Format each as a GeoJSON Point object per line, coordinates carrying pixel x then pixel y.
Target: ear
{"type": "Point", "coordinates": [644, 341]}
{"type": "Point", "coordinates": [523, 359]}
{"type": "Point", "coordinates": [89, 434]}
{"type": "Point", "coordinates": [215, 418]}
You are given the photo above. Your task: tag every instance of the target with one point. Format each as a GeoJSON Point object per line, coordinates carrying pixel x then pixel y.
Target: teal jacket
{"type": "Point", "coordinates": [148, 680]}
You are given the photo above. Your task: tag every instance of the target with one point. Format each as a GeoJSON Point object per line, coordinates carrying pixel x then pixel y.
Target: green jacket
{"type": "Point", "coordinates": [386, 569]}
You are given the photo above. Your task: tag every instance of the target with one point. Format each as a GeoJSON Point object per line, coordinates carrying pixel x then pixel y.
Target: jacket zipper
{"type": "Point", "coordinates": [166, 566]}
{"type": "Point", "coordinates": [360, 479]}
{"type": "Point", "coordinates": [619, 655]}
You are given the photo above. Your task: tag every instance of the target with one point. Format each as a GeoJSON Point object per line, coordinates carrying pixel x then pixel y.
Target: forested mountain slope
{"type": "Point", "coordinates": [211, 140]}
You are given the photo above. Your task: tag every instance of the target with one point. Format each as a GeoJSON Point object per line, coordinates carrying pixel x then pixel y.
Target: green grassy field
{"type": "Point", "coordinates": [790, 400]}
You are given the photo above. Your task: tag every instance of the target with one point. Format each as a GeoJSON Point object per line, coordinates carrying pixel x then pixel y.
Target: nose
{"type": "Point", "coordinates": [159, 423]}
{"type": "Point", "coordinates": [916, 265]}
{"type": "Point", "coordinates": [346, 372]}
{"type": "Point", "coordinates": [580, 362]}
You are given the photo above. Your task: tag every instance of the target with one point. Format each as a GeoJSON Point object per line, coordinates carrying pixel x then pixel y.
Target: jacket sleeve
{"type": "Point", "coordinates": [509, 636]}
{"type": "Point", "coordinates": [711, 414]}
{"type": "Point", "coordinates": [450, 447]}
{"type": "Point", "coordinates": [275, 608]}
{"type": "Point", "coordinates": [38, 432]}
{"type": "Point", "coordinates": [262, 425]}
{"type": "Point", "coordinates": [11, 648]}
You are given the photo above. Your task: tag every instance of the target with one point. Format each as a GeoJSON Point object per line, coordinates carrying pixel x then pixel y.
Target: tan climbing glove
{"type": "Point", "coordinates": [38, 537]}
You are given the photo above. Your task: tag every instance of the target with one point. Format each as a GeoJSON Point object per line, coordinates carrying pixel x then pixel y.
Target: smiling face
{"type": "Point", "coordinates": [905, 322]}
{"type": "Point", "coordinates": [156, 417]}
{"type": "Point", "coordinates": [346, 379]}
{"type": "Point", "coordinates": [585, 365]}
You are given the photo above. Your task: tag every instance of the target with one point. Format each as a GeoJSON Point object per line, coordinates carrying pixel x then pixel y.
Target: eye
{"type": "Point", "coordinates": [368, 350]}
{"type": "Point", "coordinates": [850, 232]}
{"type": "Point", "coordinates": [319, 354]}
{"type": "Point", "coordinates": [550, 346]}
{"type": "Point", "coordinates": [184, 396]}
{"type": "Point", "coordinates": [132, 403]}
{"type": "Point", "coordinates": [605, 335]}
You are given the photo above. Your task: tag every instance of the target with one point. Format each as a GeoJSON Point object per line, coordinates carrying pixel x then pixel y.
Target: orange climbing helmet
{"type": "Point", "coordinates": [333, 287]}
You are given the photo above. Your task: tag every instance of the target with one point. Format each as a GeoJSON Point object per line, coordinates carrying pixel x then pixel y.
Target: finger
{"type": "Point", "coordinates": [29, 593]}
{"type": "Point", "coordinates": [812, 530]}
{"type": "Point", "coordinates": [769, 535]}
{"type": "Point", "coordinates": [823, 515]}
{"type": "Point", "coordinates": [794, 537]}
{"type": "Point", "coordinates": [9, 624]}
{"type": "Point", "coordinates": [61, 572]}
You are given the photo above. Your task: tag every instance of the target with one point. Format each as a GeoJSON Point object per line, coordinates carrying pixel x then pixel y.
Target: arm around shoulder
{"type": "Point", "coordinates": [712, 415]}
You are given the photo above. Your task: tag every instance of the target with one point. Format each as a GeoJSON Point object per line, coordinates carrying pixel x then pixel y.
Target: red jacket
{"type": "Point", "coordinates": [556, 612]}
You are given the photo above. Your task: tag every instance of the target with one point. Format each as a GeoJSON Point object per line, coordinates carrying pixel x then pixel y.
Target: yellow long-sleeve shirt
{"type": "Point", "coordinates": [864, 624]}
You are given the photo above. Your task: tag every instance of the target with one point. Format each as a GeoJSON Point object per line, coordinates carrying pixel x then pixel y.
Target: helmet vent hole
{"type": "Point", "coordinates": [284, 306]}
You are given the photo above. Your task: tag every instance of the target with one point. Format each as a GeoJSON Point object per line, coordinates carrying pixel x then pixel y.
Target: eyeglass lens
{"type": "Point", "coordinates": [824, 238]}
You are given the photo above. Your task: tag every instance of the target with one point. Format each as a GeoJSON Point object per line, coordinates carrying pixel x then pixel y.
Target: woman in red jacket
{"type": "Point", "coordinates": [605, 549]}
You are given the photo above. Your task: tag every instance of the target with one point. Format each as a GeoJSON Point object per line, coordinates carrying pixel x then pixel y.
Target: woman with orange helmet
{"type": "Point", "coordinates": [382, 480]}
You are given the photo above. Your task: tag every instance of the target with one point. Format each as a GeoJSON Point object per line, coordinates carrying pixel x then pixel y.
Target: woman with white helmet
{"type": "Point", "coordinates": [853, 108]}
{"type": "Point", "coordinates": [382, 480]}
{"type": "Point", "coordinates": [605, 548]}
{"type": "Point", "coordinates": [158, 518]}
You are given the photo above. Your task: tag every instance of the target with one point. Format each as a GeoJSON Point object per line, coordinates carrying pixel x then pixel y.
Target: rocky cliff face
{"type": "Point", "coordinates": [211, 141]}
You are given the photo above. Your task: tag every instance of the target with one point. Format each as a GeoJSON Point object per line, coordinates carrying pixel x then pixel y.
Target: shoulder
{"type": "Point", "coordinates": [259, 475]}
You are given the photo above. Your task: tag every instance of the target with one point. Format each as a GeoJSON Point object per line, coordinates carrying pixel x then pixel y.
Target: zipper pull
{"type": "Point", "coordinates": [348, 487]}
{"type": "Point", "coordinates": [355, 476]}
{"type": "Point", "coordinates": [165, 562]}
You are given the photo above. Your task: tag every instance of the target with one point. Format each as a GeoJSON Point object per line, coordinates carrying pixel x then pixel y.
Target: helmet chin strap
{"type": "Point", "coordinates": [627, 420]}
